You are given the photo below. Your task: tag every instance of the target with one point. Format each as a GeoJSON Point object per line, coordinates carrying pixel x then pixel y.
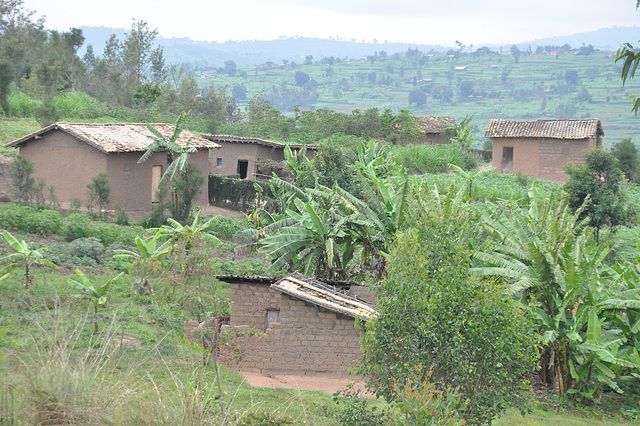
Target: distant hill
{"type": "Point", "coordinates": [256, 52]}
{"type": "Point", "coordinates": [604, 39]}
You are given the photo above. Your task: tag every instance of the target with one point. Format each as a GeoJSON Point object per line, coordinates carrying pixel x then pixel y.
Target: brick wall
{"type": "Point", "coordinates": [307, 340]}
{"type": "Point", "coordinates": [542, 158]}
{"type": "Point", "coordinates": [250, 302]}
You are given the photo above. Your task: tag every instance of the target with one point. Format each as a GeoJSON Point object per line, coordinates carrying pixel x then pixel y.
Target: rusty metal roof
{"type": "Point", "coordinates": [118, 137]}
{"type": "Point", "coordinates": [435, 124]}
{"type": "Point", "coordinates": [317, 293]}
{"type": "Point", "coordinates": [553, 129]}
{"type": "Point", "coordinates": [270, 144]}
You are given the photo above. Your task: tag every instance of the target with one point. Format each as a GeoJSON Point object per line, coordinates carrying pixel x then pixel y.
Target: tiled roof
{"type": "Point", "coordinates": [118, 137]}
{"type": "Point", "coordinates": [317, 293]}
{"type": "Point", "coordinates": [435, 124]}
{"type": "Point", "coordinates": [240, 139]}
{"type": "Point", "coordinates": [554, 129]}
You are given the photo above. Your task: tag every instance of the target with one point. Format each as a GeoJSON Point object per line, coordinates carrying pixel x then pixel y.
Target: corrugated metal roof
{"type": "Point", "coordinates": [554, 129]}
{"type": "Point", "coordinates": [271, 144]}
{"type": "Point", "coordinates": [118, 137]}
{"type": "Point", "coordinates": [435, 124]}
{"type": "Point", "coordinates": [315, 292]}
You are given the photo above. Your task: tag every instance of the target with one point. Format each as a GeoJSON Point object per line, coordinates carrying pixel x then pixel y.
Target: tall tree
{"type": "Point", "coordinates": [136, 51]}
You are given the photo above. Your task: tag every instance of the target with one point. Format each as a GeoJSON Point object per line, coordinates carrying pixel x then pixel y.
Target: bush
{"type": "Point", "coordinates": [435, 316]}
{"type": "Point", "coordinates": [78, 225]}
{"type": "Point", "coordinates": [30, 219]}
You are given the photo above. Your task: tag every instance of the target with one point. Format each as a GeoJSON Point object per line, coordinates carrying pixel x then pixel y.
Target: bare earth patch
{"type": "Point", "coordinates": [314, 383]}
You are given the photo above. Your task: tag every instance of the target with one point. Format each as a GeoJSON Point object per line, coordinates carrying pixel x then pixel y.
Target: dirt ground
{"type": "Point", "coordinates": [314, 383]}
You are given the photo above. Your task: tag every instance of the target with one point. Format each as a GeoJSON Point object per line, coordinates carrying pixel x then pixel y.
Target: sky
{"type": "Point", "coordinates": [414, 21]}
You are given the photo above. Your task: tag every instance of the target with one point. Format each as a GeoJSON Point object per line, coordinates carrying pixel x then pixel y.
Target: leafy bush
{"type": "Point", "coordinates": [76, 226]}
{"type": "Point", "coordinates": [80, 226]}
{"type": "Point", "coordinates": [30, 219]}
{"type": "Point", "coordinates": [467, 331]}
{"type": "Point", "coordinates": [227, 227]}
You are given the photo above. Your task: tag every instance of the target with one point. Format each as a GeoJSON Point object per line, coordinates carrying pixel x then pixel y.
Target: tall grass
{"type": "Point", "coordinates": [77, 105]}
{"type": "Point", "coordinates": [431, 158]}
{"type": "Point", "coordinates": [491, 187]}
{"type": "Point", "coordinates": [21, 104]}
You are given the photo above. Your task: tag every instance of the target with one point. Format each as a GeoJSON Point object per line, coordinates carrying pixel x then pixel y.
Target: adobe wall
{"type": "Point", "coordinates": [64, 162]}
{"type": "Point", "coordinates": [231, 152]}
{"type": "Point", "coordinates": [542, 158]}
{"type": "Point", "coordinates": [308, 340]}
{"type": "Point", "coordinates": [131, 182]}
{"type": "Point", "coordinates": [556, 154]}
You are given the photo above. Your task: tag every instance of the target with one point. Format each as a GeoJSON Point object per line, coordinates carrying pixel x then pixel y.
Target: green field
{"type": "Point", "coordinates": [537, 87]}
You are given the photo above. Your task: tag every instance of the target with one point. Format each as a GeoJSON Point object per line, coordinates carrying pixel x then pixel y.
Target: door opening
{"type": "Point", "coordinates": [156, 176]}
{"type": "Point", "coordinates": [243, 168]}
{"type": "Point", "coordinates": [507, 159]}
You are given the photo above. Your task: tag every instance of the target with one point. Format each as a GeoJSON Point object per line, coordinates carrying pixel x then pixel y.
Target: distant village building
{"type": "Point", "coordinates": [306, 326]}
{"type": "Point", "coordinates": [245, 156]}
{"type": "Point", "coordinates": [433, 129]}
{"type": "Point", "coordinates": [542, 148]}
{"type": "Point", "coordinates": [460, 69]}
{"type": "Point", "coordinates": [68, 155]}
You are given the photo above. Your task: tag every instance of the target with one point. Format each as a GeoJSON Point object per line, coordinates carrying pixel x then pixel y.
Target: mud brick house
{"type": "Point", "coordinates": [434, 129]}
{"type": "Point", "coordinates": [542, 148]}
{"type": "Point", "coordinates": [244, 156]}
{"type": "Point", "coordinates": [69, 155]}
{"type": "Point", "coordinates": [307, 326]}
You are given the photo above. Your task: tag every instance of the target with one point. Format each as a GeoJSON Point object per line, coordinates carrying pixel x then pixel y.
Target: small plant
{"type": "Point", "coordinates": [97, 296]}
{"type": "Point", "coordinates": [75, 204]}
{"type": "Point", "coordinates": [122, 218]}
{"type": "Point", "coordinates": [522, 179]}
{"type": "Point", "coordinates": [98, 191]}
{"type": "Point", "coordinates": [26, 256]}
{"type": "Point", "coordinates": [354, 409]}
{"type": "Point", "coordinates": [148, 253]}
{"type": "Point", "coordinates": [54, 203]}
{"type": "Point", "coordinates": [22, 182]}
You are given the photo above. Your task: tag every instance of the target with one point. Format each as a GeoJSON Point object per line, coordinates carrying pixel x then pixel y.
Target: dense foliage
{"type": "Point", "coordinates": [435, 316]}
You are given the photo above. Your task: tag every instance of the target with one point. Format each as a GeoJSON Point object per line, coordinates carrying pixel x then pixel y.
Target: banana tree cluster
{"type": "Point", "coordinates": [332, 232]}
{"type": "Point", "coordinates": [587, 312]}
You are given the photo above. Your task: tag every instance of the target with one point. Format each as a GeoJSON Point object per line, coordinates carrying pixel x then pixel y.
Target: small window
{"type": "Point", "coordinates": [219, 162]}
{"type": "Point", "coordinates": [273, 315]}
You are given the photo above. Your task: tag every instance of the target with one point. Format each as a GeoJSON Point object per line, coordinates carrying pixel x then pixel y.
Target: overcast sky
{"type": "Point", "coordinates": [415, 21]}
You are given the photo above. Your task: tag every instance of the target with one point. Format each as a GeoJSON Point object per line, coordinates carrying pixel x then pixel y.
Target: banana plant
{"type": "Point", "coordinates": [308, 241]}
{"type": "Point", "coordinates": [148, 251]}
{"type": "Point", "coordinates": [96, 295]}
{"type": "Point", "coordinates": [25, 256]}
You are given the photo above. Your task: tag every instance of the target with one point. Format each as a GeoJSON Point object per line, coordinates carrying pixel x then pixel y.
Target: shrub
{"type": "Point", "coordinates": [30, 219]}
{"type": "Point", "coordinates": [435, 316]}
{"type": "Point", "coordinates": [77, 226]}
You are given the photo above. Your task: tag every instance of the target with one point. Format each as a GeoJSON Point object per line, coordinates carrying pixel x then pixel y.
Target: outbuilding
{"type": "Point", "coordinates": [295, 325]}
{"type": "Point", "coordinates": [542, 148]}
{"type": "Point", "coordinates": [244, 156]}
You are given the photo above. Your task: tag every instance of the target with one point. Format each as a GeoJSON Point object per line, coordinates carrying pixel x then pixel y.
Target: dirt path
{"type": "Point", "coordinates": [314, 383]}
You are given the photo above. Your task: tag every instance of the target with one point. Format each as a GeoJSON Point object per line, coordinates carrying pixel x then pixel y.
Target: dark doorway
{"type": "Point", "coordinates": [507, 159]}
{"type": "Point", "coordinates": [243, 167]}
